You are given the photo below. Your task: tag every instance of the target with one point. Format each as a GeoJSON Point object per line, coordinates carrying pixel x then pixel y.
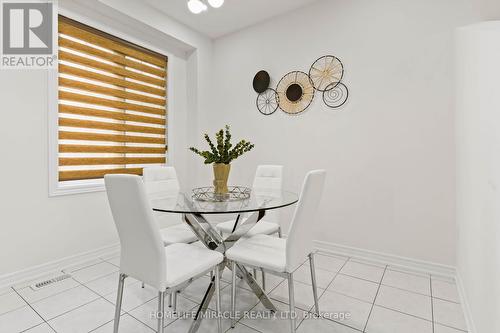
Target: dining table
{"type": "Point", "coordinates": [245, 212]}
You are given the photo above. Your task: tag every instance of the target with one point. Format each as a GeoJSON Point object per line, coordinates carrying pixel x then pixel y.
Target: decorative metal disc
{"type": "Point", "coordinates": [295, 92]}
{"type": "Point", "coordinates": [336, 96]}
{"type": "Point", "coordinates": [326, 72]}
{"type": "Point", "coordinates": [261, 81]}
{"type": "Point", "coordinates": [267, 102]}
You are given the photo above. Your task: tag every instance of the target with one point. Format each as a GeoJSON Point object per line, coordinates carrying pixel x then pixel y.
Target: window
{"type": "Point", "coordinates": [111, 105]}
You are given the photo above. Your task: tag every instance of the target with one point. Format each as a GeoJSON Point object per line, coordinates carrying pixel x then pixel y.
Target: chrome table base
{"type": "Point", "coordinates": [209, 236]}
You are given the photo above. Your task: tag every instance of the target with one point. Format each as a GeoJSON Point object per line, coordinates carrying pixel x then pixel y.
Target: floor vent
{"type": "Point", "coordinates": [45, 283]}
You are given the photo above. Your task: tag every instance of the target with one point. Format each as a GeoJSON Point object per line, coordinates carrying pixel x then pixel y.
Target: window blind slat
{"type": "Point", "coordinates": [69, 96]}
{"type": "Point", "coordinates": [119, 59]}
{"type": "Point", "coordinates": [109, 149]}
{"type": "Point", "coordinates": [93, 174]}
{"type": "Point", "coordinates": [63, 135]}
{"type": "Point", "coordinates": [110, 160]}
{"type": "Point", "coordinates": [66, 69]}
{"type": "Point", "coordinates": [94, 38]}
{"type": "Point", "coordinates": [66, 56]}
{"type": "Point", "coordinates": [69, 83]}
{"type": "Point", "coordinates": [109, 126]}
{"type": "Point", "coordinates": [70, 109]}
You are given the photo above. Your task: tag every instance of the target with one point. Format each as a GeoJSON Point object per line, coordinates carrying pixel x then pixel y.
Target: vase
{"type": "Point", "coordinates": [221, 174]}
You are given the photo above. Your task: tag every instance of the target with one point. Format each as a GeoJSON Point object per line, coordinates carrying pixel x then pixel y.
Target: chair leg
{"type": "Point", "coordinates": [233, 294]}
{"type": "Point", "coordinates": [263, 280]}
{"type": "Point", "coordinates": [279, 232]}
{"type": "Point", "coordinates": [161, 311]}
{"type": "Point", "coordinates": [169, 300]}
{"type": "Point", "coordinates": [174, 301]}
{"type": "Point", "coordinates": [313, 280]}
{"type": "Point", "coordinates": [119, 297]}
{"type": "Point", "coordinates": [142, 286]}
{"type": "Point", "coordinates": [254, 272]}
{"type": "Point", "coordinates": [291, 298]}
{"type": "Point", "coordinates": [217, 299]}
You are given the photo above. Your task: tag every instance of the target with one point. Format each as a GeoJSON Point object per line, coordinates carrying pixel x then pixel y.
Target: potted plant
{"type": "Point", "coordinates": [221, 157]}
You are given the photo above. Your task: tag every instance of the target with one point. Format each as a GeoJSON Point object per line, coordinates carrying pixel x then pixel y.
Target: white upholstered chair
{"type": "Point", "coordinates": [267, 178]}
{"type": "Point", "coordinates": [143, 254]}
{"type": "Point", "coordinates": [162, 181]}
{"type": "Point", "coordinates": [281, 256]}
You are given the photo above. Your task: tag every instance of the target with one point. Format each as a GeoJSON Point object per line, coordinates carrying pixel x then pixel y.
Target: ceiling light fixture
{"type": "Point", "coordinates": [196, 6]}
{"type": "Point", "coordinates": [216, 3]}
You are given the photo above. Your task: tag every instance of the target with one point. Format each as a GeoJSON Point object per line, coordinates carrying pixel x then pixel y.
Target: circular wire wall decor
{"type": "Point", "coordinates": [336, 96]}
{"type": "Point", "coordinates": [235, 193]}
{"type": "Point", "coordinates": [326, 72]}
{"type": "Point", "coordinates": [295, 92]}
{"type": "Point", "coordinates": [267, 102]}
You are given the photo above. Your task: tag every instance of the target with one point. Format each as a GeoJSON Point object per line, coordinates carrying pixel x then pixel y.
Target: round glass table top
{"type": "Point", "coordinates": [183, 202]}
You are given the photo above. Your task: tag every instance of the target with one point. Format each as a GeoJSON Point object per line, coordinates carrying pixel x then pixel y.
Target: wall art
{"type": "Point", "coordinates": [295, 90]}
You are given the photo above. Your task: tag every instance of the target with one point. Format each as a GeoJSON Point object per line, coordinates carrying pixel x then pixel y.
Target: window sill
{"type": "Point", "coordinates": [77, 187]}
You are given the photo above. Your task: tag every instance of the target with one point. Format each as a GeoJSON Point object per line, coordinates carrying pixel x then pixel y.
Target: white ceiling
{"type": "Point", "coordinates": [232, 16]}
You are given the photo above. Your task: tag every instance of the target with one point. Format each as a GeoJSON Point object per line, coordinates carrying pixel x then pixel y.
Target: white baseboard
{"type": "Point", "coordinates": [465, 304]}
{"type": "Point", "coordinates": [34, 272]}
{"type": "Point", "coordinates": [384, 258]}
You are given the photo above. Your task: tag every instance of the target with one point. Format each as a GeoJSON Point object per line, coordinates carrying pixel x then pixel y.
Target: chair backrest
{"type": "Point", "coordinates": [142, 249]}
{"type": "Point", "coordinates": [300, 235]}
{"type": "Point", "coordinates": [269, 178]}
{"type": "Point", "coordinates": [160, 180]}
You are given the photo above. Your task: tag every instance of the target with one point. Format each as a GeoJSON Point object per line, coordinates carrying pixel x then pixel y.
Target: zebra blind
{"type": "Point", "coordinates": [112, 104]}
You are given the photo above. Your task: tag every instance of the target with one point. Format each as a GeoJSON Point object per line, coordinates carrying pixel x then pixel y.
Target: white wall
{"type": "Point", "coordinates": [478, 172]}
{"type": "Point", "coordinates": [490, 9]}
{"type": "Point", "coordinates": [36, 229]}
{"type": "Point", "coordinates": [390, 151]}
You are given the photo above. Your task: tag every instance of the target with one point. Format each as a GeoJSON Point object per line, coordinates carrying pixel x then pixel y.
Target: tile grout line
{"type": "Point", "coordinates": [404, 313]}
{"type": "Point", "coordinates": [402, 289]}
{"type": "Point", "coordinates": [432, 303]}
{"type": "Point", "coordinates": [374, 299]}
{"type": "Point", "coordinates": [256, 330]}
{"type": "Point", "coordinates": [50, 327]}
{"type": "Point", "coordinates": [84, 267]}
{"type": "Point", "coordinates": [109, 262]}
{"type": "Point", "coordinates": [334, 277]}
{"type": "Point", "coordinates": [349, 296]}
{"type": "Point", "coordinates": [454, 328]}
{"type": "Point", "coordinates": [43, 319]}
{"type": "Point", "coordinates": [446, 300]}
{"type": "Point", "coordinates": [20, 307]}
{"type": "Point", "coordinates": [325, 290]}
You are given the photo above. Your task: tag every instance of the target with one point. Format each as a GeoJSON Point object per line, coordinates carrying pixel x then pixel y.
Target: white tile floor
{"type": "Point", "coordinates": [355, 296]}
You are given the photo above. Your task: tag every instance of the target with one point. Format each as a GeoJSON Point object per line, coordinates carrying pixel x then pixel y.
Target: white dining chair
{"type": "Point", "coordinates": [162, 181]}
{"type": "Point", "coordinates": [281, 256]}
{"type": "Point", "coordinates": [144, 257]}
{"type": "Point", "coordinates": [267, 178]}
